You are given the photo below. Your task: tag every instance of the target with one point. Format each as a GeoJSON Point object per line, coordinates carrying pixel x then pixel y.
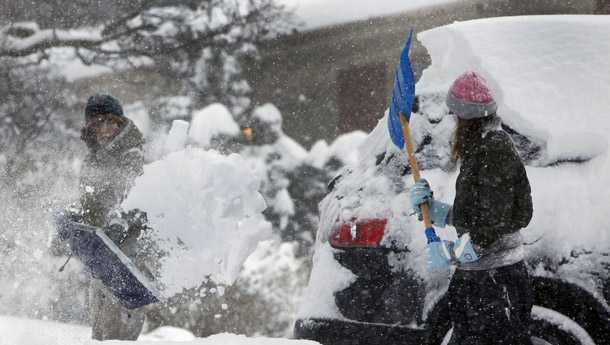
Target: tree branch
{"type": "Point", "coordinates": [44, 39]}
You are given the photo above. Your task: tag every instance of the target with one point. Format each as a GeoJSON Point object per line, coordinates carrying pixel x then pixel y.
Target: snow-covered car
{"type": "Point", "coordinates": [551, 76]}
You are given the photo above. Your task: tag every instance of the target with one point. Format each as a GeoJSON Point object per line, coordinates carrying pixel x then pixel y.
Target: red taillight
{"type": "Point", "coordinates": [366, 233]}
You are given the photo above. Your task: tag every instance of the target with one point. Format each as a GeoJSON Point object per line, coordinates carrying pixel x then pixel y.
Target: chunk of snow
{"type": "Point", "coordinates": [283, 203]}
{"type": "Point", "coordinates": [205, 211]}
{"type": "Point", "coordinates": [177, 135]}
{"type": "Point", "coordinates": [550, 75]}
{"type": "Point", "coordinates": [268, 113]}
{"type": "Point", "coordinates": [210, 121]}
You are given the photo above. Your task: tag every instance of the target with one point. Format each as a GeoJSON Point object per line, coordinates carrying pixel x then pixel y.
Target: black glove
{"type": "Point", "coordinates": [62, 222]}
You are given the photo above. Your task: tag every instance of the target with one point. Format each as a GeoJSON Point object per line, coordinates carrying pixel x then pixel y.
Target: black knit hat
{"type": "Point", "coordinates": [102, 104]}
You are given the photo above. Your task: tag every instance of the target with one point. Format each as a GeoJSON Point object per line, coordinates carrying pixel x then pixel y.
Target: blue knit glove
{"type": "Point", "coordinates": [439, 254]}
{"type": "Point", "coordinates": [420, 194]}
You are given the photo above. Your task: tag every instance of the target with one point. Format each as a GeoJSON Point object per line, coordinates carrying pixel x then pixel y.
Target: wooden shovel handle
{"type": "Point", "coordinates": [414, 166]}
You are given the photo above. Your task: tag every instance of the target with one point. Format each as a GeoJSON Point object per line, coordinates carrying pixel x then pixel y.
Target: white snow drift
{"type": "Point", "coordinates": [206, 214]}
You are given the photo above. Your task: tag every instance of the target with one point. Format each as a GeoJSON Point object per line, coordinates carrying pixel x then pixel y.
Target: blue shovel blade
{"type": "Point", "coordinates": [403, 95]}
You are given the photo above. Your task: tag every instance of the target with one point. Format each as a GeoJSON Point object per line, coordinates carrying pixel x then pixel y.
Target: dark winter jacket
{"type": "Point", "coordinates": [107, 175]}
{"type": "Point", "coordinates": [493, 197]}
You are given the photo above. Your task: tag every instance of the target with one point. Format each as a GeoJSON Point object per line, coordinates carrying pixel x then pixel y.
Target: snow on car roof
{"type": "Point", "coordinates": [551, 78]}
{"type": "Point", "coordinates": [550, 75]}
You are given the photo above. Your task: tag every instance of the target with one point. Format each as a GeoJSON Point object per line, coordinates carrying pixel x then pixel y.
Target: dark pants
{"type": "Point", "coordinates": [491, 306]}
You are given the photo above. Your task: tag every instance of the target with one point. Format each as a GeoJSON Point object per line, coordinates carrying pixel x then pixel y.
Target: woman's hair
{"type": "Point", "coordinates": [465, 132]}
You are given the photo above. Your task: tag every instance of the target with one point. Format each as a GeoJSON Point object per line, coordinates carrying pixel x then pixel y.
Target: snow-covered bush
{"type": "Point", "coordinates": [293, 181]}
{"type": "Point", "coordinates": [262, 302]}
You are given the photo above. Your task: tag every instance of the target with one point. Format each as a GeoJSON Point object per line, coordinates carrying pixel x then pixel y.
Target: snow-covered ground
{"type": "Point", "coordinates": [17, 331]}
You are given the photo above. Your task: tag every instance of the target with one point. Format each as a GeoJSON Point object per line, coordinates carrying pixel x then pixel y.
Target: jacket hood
{"type": "Point", "coordinates": [128, 137]}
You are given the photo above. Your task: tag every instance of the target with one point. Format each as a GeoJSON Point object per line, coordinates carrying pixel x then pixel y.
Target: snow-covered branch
{"type": "Point", "coordinates": [24, 39]}
{"type": "Point", "coordinates": [202, 42]}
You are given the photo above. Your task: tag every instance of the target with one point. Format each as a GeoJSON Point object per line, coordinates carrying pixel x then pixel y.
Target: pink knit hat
{"type": "Point", "coordinates": [471, 97]}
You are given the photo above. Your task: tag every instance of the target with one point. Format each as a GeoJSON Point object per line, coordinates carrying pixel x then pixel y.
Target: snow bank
{"type": "Point", "coordinates": [215, 119]}
{"type": "Point", "coordinates": [19, 331]}
{"type": "Point", "coordinates": [206, 213]}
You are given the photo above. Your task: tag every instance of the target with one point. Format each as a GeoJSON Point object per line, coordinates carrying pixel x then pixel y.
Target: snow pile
{"type": "Point", "coordinates": [344, 148]}
{"type": "Point", "coordinates": [206, 213]}
{"type": "Point", "coordinates": [273, 271]}
{"type": "Point", "coordinates": [215, 119]}
{"type": "Point", "coordinates": [268, 113]}
{"type": "Point", "coordinates": [168, 333]}
{"type": "Point", "coordinates": [18, 331]}
{"type": "Point", "coordinates": [177, 135]}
